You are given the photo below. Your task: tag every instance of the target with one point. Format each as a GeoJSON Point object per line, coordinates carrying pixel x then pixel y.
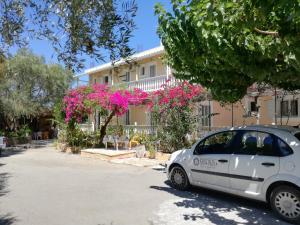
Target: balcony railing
{"type": "Point", "coordinates": [148, 84]}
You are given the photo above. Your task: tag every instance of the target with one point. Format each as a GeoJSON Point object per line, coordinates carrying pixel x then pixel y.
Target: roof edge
{"type": "Point", "coordinates": [137, 56]}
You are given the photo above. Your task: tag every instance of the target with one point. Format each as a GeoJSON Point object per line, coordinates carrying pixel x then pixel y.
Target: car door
{"type": "Point", "coordinates": [256, 158]}
{"type": "Point", "coordinates": [210, 159]}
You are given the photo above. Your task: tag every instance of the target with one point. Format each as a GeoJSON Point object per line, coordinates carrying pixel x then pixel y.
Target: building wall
{"type": "Point", "coordinates": [293, 120]}
{"type": "Point", "coordinates": [138, 115]}
{"type": "Point", "coordinates": [242, 114]}
{"type": "Point", "coordinates": [134, 69]}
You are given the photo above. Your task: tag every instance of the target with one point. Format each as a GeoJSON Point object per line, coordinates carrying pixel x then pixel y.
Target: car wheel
{"type": "Point", "coordinates": [285, 201]}
{"type": "Point", "coordinates": [179, 178]}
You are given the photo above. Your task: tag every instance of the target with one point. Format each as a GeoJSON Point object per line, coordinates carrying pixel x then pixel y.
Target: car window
{"type": "Point", "coordinates": [284, 148]}
{"type": "Point", "coordinates": [257, 143]}
{"type": "Point", "coordinates": [297, 135]}
{"type": "Point", "coordinates": [219, 143]}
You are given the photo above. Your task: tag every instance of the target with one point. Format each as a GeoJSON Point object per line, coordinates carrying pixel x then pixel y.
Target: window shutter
{"type": "Point", "coordinates": [152, 71]}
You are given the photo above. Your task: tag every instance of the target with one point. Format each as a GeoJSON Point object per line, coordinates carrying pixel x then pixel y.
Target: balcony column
{"type": "Point", "coordinates": [137, 72]}
{"type": "Point", "coordinates": [112, 77]}
{"type": "Point", "coordinates": [168, 71]}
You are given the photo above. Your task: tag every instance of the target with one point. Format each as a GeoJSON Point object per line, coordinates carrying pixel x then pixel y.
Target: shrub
{"type": "Point", "coordinates": [172, 110]}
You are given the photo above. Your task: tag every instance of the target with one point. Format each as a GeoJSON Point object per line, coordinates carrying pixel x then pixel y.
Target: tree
{"type": "Point", "coordinates": [28, 87]}
{"type": "Point", "coordinates": [173, 111]}
{"type": "Point", "coordinates": [228, 45]}
{"type": "Point", "coordinates": [74, 27]}
{"type": "Point", "coordinates": [83, 101]}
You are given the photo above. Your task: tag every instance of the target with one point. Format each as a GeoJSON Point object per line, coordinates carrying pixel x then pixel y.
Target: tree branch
{"type": "Point", "coordinates": [273, 33]}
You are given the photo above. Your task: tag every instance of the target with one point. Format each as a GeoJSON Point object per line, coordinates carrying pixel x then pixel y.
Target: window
{"type": "Point", "coordinates": [106, 79]}
{"type": "Point", "coordinates": [294, 108]}
{"type": "Point", "coordinates": [257, 143]}
{"type": "Point", "coordinates": [95, 81]}
{"type": "Point", "coordinates": [127, 77]}
{"type": "Point", "coordinates": [143, 71]}
{"type": "Point", "coordinates": [219, 143]}
{"type": "Point", "coordinates": [284, 106]}
{"type": "Point", "coordinates": [127, 118]}
{"type": "Point", "coordinates": [297, 135]}
{"type": "Point", "coordinates": [152, 71]}
{"type": "Point", "coordinates": [253, 107]}
{"type": "Point", "coordinates": [204, 115]}
{"type": "Point", "coordinates": [284, 148]}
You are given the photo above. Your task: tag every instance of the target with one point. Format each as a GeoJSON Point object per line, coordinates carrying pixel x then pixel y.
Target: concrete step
{"type": "Point", "coordinates": [106, 154]}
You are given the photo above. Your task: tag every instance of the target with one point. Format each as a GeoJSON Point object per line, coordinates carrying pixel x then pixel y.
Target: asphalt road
{"type": "Point", "coordinates": [45, 187]}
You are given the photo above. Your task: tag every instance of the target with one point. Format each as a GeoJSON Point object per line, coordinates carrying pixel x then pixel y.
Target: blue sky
{"type": "Point", "coordinates": [145, 36]}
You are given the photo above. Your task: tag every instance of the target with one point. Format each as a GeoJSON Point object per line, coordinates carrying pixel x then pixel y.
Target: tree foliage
{"type": "Point", "coordinates": [28, 87]}
{"type": "Point", "coordinates": [229, 45]}
{"type": "Point", "coordinates": [74, 27]}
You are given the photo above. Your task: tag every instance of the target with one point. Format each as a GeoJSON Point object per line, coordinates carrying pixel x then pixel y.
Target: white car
{"type": "Point", "coordinates": [257, 162]}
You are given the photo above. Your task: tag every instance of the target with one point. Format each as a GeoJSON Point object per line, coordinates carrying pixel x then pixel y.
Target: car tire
{"type": "Point", "coordinates": [179, 178]}
{"type": "Point", "coordinates": [285, 202]}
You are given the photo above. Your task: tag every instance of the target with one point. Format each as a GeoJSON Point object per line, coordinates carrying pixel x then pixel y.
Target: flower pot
{"type": "Point", "coordinates": [140, 151]}
{"type": "Point", "coordinates": [75, 149]}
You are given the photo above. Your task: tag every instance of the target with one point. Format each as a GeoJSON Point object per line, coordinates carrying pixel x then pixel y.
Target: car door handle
{"type": "Point", "coordinates": [267, 164]}
{"type": "Point", "coordinates": [223, 160]}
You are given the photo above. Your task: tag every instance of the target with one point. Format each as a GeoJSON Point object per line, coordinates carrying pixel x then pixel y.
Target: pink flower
{"type": "Point", "coordinates": [170, 96]}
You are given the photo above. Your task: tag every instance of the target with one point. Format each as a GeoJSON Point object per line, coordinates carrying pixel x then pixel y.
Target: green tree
{"type": "Point", "coordinates": [29, 87]}
{"type": "Point", "coordinates": [229, 45]}
{"type": "Point", "coordinates": [74, 27]}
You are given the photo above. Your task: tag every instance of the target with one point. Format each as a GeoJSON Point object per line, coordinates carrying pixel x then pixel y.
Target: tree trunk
{"type": "Point", "coordinates": [103, 128]}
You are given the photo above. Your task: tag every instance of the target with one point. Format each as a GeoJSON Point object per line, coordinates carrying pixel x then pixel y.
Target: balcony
{"type": "Point", "coordinates": [147, 84]}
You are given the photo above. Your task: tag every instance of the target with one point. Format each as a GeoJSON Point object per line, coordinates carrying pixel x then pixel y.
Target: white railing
{"type": "Point", "coordinates": [139, 129]}
{"type": "Point", "coordinates": [148, 84]}
{"type": "Point", "coordinates": [86, 127]}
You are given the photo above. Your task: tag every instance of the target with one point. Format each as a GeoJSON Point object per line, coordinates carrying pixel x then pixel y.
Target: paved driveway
{"type": "Point", "coordinates": [45, 187]}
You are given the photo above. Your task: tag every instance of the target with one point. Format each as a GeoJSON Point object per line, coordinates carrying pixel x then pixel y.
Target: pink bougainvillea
{"type": "Point", "coordinates": [179, 95]}
{"type": "Point", "coordinates": [81, 101]}
{"type": "Point", "coordinates": [74, 104]}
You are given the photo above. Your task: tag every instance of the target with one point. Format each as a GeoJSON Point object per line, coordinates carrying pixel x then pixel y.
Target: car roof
{"type": "Point", "coordinates": [266, 128]}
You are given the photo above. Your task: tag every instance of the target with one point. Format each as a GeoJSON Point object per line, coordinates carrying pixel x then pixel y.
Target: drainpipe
{"type": "Point", "coordinates": [209, 116]}
{"type": "Point", "coordinates": [275, 106]}
{"type": "Point", "coordinates": [168, 71]}
{"type": "Point", "coordinates": [231, 114]}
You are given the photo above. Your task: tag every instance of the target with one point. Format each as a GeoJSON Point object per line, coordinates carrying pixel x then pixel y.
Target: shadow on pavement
{"type": "Point", "coordinates": [41, 143]}
{"type": "Point", "coordinates": [7, 219]}
{"type": "Point", "coordinates": [3, 181]}
{"type": "Point", "coordinates": [11, 151]}
{"type": "Point", "coordinates": [219, 208]}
